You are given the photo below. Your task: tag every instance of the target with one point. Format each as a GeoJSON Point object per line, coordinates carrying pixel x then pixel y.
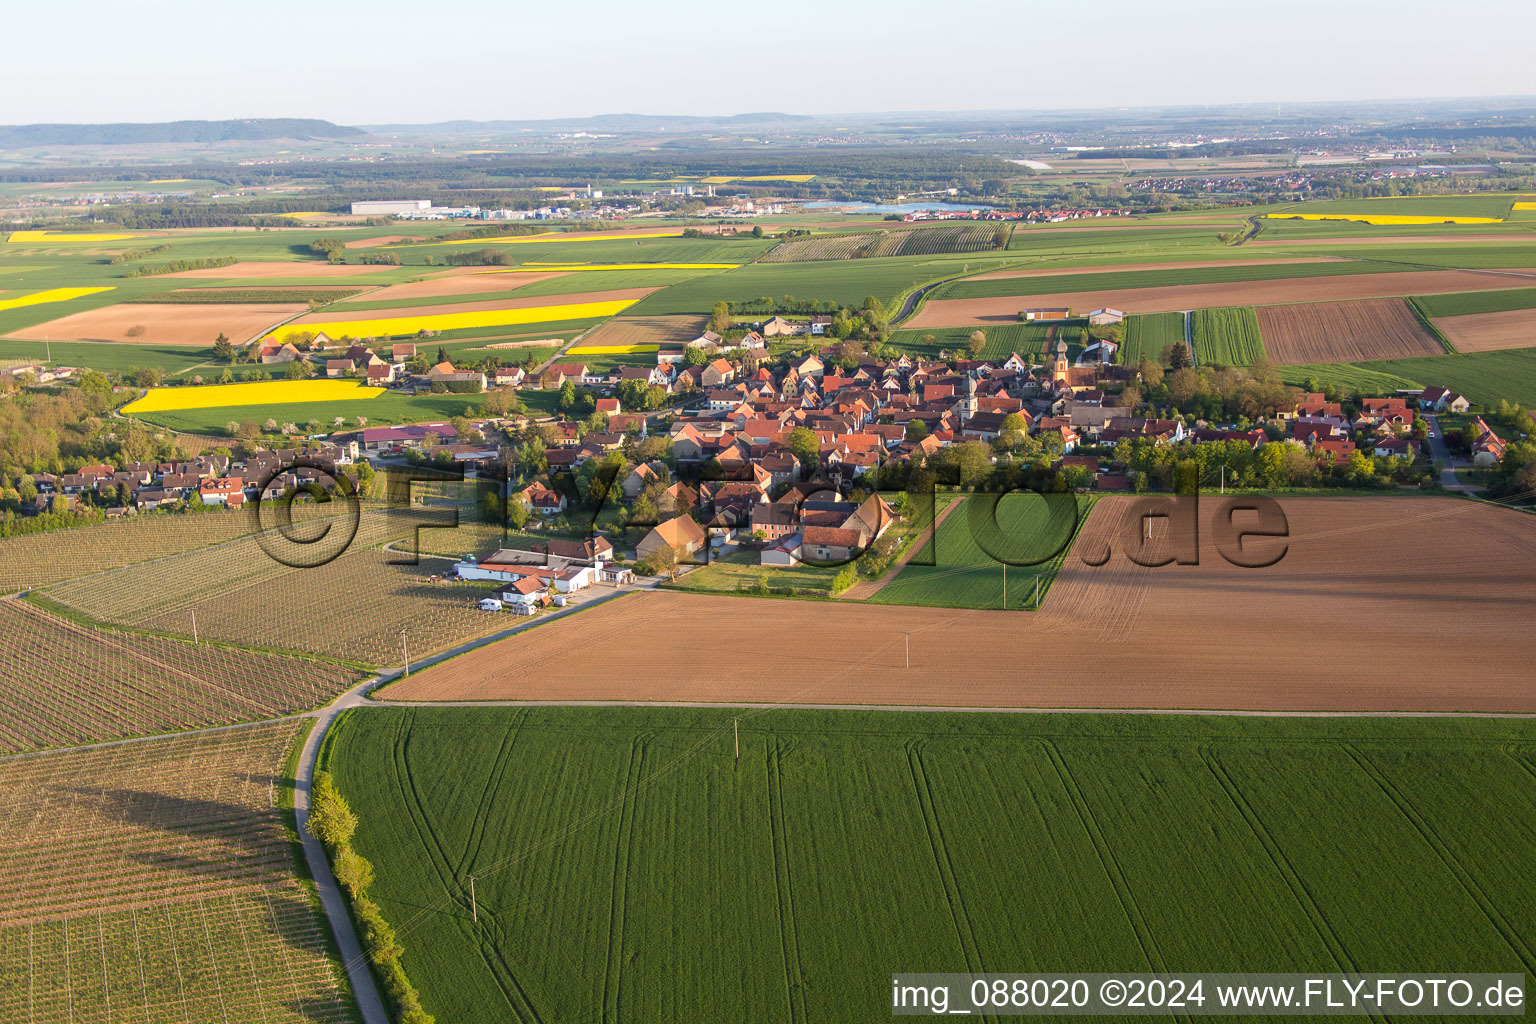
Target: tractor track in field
{"type": "Point", "coordinates": [613, 973]}
{"type": "Point", "coordinates": [1453, 864]}
{"type": "Point", "coordinates": [789, 934]}
{"type": "Point", "coordinates": [1282, 864]}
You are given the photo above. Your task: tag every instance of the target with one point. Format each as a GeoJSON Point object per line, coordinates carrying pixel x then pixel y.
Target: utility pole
{"type": "Point", "coordinates": [1037, 593]}
{"type": "Point", "coordinates": [736, 732]}
{"type": "Point", "coordinates": [474, 908]}
{"type": "Point", "coordinates": [1223, 478]}
{"type": "Point", "coordinates": [908, 637]}
{"type": "Point", "coordinates": [194, 625]}
{"type": "Point", "coordinates": [404, 657]}
{"type": "Point", "coordinates": [1005, 586]}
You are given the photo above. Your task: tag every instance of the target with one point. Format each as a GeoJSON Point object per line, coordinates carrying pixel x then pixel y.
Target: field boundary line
{"type": "Point", "coordinates": [1458, 870]}
{"type": "Point", "coordinates": [943, 863]}
{"type": "Point", "coordinates": [512, 702]}
{"type": "Point", "coordinates": [623, 848]}
{"type": "Point", "coordinates": [789, 931]}
{"type": "Point", "coordinates": [492, 784]}
{"type": "Point", "coordinates": [1107, 859]}
{"type": "Point", "coordinates": [1412, 302]}
{"type": "Point", "coordinates": [917, 543]}
{"type": "Point", "coordinates": [416, 809]}
{"type": "Point", "coordinates": [1300, 891]}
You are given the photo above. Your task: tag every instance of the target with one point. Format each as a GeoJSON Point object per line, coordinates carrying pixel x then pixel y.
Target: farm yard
{"type": "Point", "coordinates": [64, 684]}
{"type": "Point", "coordinates": [1229, 337]}
{"type": "Point", "coordinates": [845, 841]}
{"type": "Point", "coordinates": [154, 882]}
{"type": "Point", "coordinates": [1343, 332]}
{"type": "Point", "coordinates": [1438, 567]}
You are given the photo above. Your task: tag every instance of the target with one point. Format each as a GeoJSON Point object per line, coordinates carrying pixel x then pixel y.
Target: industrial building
{"type": "Point", "coordinates": [386, 207]}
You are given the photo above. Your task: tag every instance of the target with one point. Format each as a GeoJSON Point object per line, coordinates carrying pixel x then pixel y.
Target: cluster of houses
{"type": "Point", "coordinates": [359, 360]}
{"type": "Point", "coordinates": [1324, 430]}
{"type": "Point", "coordinates": [38, 373]}
{"type": "Point", "coordinates": [215, 479]}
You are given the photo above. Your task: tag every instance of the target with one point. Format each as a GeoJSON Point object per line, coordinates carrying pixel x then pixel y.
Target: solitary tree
{"type": "Point", "coordinates": [720, 320]}
{"type": "Point", "coordinates": [805, 446]}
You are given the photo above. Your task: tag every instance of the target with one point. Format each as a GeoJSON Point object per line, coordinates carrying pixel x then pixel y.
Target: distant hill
{"type": "Point", "coordinates": [24, 136]}
{"type": "Point", "coordinates": [609, 123]}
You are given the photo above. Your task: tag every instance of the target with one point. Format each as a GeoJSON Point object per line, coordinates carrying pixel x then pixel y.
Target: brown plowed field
{"type": "Point", "coordinates": [534, 302]}
{"type": "Point", "coordinates": [306, 268]}
{"type": "Point", "coordinates": [1121, 267]}
{"type": "Point", "coordinates": [1489, 332]}
{"type": "Point", "coordinates": [449, 284]}
{"type": "Point", "coordinates": [369, 243]}
{"type": "Point", "coordinates": [1344, 332]}
{"type": "Point", "coordinates": [647, 330]}
{"type": "Point", "coordinates": [1380, 604]}
{"type": "Point", "coordinates": [168, 324]}
{"type": "Point", "coordinates": [1005, 309]}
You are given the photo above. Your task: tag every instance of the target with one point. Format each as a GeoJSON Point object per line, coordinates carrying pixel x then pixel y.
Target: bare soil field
{"type": "Point", "coordinates": [1121, 267]}
{"type": "Point", "coordinates": [449, 284]}
{"type": "Point", "coordinates": [1005, 309]}
{"type": "Point", "coordinates": [369, 243]}
{"type": "Point", "coordinates": [306, 268]}
{"type": "Point", "coordinates": [165, 324]}
{"type": "Point", "coordinates": [1379, 604]}
{"type": "Point", "coordinates": [647, 330]}
{"type": "Point", "coordinates": [1490, 332]}
{"type": "Point", "coordinates": [1344, 332]}
{"type": "Point", "coordinates": [533, 302]}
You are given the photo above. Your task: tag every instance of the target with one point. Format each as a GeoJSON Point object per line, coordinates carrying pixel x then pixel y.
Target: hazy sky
{"type": "Point", "coordinates": [385, 61]}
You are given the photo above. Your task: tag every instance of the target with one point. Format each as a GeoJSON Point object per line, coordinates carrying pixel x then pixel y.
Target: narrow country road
{"type": "Point", "coordinates": [1443, 458]}
{"type": "Point", "coordinates": [354, 960]}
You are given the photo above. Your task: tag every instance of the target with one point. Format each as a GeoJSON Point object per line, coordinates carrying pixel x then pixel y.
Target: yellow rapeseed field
{"type": "Point", "coordinates": [52, 295]}
{"type": "Point", "coordinates": [613, 350]}
{"type": "Point", "coordinates": [62, 236]}
{"type": "Point", "coordinates": [265, 392]}
{"type": "Point", "coordinates": [544, 268]}
{"type": "Point", "coordinates": [402, 325]}
{"type": "Point", "coordinates": [1525, 206]}
{"type": "Point", "coordinates": [304, 214]}
{"type": "Point", "coordinates": [1382, 219]}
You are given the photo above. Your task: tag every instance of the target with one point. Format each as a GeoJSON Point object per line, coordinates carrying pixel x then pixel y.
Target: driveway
{"type": "Point", "coordinates": [1443, 458]}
